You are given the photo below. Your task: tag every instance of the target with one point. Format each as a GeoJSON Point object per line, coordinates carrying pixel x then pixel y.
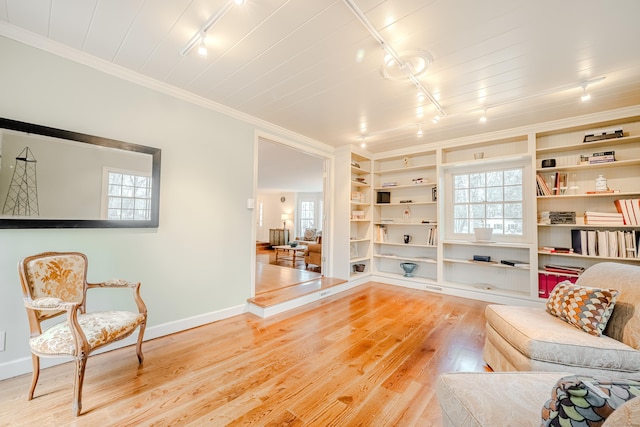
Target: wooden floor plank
{"type": "Point", "coordinates": [368, 356]}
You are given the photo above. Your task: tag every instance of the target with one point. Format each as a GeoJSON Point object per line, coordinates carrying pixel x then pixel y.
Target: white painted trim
{"type": "Point", "coordinates": [22, 366]}
{"type": "Point", "coordinates": [303, 300]}
{"type": "Point", "coordinates": [35, 40]}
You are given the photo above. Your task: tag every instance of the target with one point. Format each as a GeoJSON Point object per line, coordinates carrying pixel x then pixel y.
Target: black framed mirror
{"type": "Point", "coordinates": [54, 178]}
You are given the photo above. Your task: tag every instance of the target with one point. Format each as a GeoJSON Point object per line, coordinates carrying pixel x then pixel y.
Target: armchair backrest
{"type": "Point", "coordinates": [624, 323]}
{"type": "Point", "coordinates": [54, 274]}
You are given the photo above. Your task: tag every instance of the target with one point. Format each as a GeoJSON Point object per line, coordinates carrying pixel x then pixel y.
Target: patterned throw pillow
{"type": "Point", "coordinates": [588, 309]}
{"type": "Point", "coordinates": [310, 234]}
{"type": "Point", "coordinates": [578, 401]}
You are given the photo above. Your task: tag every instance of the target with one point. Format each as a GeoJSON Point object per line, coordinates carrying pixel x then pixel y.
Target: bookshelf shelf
{"type": "Point", "coordinates": [599, 242]}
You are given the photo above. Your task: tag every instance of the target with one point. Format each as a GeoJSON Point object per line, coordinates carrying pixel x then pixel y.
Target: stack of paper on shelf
{"type": "Point", "coordinates": [390, 184]}
{"type": "Point", "coordinates": [603, 218]}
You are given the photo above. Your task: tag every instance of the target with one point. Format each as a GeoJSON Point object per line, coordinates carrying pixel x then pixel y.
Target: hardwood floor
{"type": "Point", "coordinates": [272, 275]}
{"type": "Point", "coordinates": [366, 357]}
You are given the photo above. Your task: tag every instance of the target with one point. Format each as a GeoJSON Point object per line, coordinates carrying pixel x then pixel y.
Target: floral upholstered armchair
{"type": "Point", "coordinates": [54, 284]}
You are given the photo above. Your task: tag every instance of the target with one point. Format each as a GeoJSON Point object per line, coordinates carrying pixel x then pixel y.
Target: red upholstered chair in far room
{"type": "Point", "coordinates": [54, 284]}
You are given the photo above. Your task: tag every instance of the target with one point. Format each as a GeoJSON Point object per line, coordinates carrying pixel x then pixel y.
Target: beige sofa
{"type": "Point", "coordinates": [504, 399]}
{"type": "Point", "coordinates": [530, 339]}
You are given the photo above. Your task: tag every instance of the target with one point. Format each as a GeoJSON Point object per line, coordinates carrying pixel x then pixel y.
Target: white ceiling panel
{"type": "Point", "coordinates": [313, 67]}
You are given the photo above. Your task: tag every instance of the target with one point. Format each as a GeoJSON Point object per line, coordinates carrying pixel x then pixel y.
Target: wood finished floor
{"type": "Point", "coordinates": [366, 357]}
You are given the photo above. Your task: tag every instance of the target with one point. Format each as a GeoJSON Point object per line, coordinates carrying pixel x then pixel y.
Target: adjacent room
{"type": "Point", "coordinates": [314, 213]}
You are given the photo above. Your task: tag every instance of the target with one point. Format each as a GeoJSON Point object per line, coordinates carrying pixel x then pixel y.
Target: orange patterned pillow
{"type": "Point", "coordinates": [585, 308]}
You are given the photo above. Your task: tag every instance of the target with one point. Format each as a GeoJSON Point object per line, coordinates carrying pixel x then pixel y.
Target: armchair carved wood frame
{"type": "Point", "coordinates": [54, 284]}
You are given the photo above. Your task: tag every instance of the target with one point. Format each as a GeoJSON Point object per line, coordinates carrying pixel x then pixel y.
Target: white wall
{"type": "Point", "coordinates": [199, 260]}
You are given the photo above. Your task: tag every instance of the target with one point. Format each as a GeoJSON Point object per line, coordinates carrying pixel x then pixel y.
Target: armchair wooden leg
{"type": "Point", "coordinates": [81, 364]}
{"type": "Point", "coordinates": [139, 344]}
{"type": "Point", "coordinates": [35, 362]}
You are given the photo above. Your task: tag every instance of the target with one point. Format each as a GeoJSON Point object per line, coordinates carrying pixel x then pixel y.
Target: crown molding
{"type": "Point", "coordinates": [40, 42]}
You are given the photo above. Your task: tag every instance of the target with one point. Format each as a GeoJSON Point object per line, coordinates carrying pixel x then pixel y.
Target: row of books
{"type": "Point", "coordinates": [606, 243]}
{"type": "Point", "coordinates": [542, 187]}
{"type": "Point", "coordinates": [432, 236]}
{"type": "Point", "coordinates": [629, 209]}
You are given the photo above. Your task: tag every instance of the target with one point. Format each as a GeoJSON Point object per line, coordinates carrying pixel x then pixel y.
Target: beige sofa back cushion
{"type": "Point", "coordinates": [624, 324]}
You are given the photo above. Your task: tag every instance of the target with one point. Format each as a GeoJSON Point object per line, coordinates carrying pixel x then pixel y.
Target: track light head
{"type": "Point", "coordinates": [202, 47]}
{"type": "Point", "coordinates": [585, 95]}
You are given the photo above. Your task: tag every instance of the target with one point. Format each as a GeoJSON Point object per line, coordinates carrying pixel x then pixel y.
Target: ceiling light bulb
{"type": "Point", "coordinates": [585, 95]}
{"type": "Point", "coordinates": [420, 96]}
{"type": "Point", "coordinates": [435, 119]}
{"type": "Point", "coordinates": [363, 144]}
{"type": "Point", "coordinates": [202, 47]}
{"type": "Point", "coordinates": [388, 59]}
{"type": "Point", "coordinates": [483, 119]}
{"type": "Point", "coordinates": [420, 132]}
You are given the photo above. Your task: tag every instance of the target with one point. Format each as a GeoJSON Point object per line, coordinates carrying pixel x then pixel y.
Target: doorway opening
{"type": "Point", "coordinates": [290, 216]}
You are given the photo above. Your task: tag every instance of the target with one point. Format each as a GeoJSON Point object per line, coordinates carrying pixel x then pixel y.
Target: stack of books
{"type": "Point", "coordinates": [630, 210]}
{"type": "Point", "coordinates": [603, 218]}
{"type": "Point", "coordinates": [602, 157]}
{"type": "Point", "coordinates": [556, 250]}
{"type": "Point", "coordinates": [564, 269]}
{"type": "Point", "coordinates": [390, 184]}
{"type": "Point", "coordinates": [556, 217]}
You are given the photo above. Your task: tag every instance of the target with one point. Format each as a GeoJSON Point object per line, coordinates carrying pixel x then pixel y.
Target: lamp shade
{"type": "Point", "coordinates": [284, 217]}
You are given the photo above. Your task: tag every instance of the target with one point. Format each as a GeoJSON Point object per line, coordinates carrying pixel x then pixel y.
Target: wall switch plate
{"type": "Point", "coordinates": [3, 336]}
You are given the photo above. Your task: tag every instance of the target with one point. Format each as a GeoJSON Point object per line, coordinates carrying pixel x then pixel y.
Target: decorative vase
{"type": "Point", "coordinates": [408, 268]}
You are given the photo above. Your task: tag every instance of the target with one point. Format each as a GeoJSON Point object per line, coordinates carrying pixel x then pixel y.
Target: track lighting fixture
{"type": "Point", "coordinates": [202, 48]}
{"type": "Point", "coordinates": [483, 118]}
{"type": "Point", "coordinates": [363, 144]}
{"type": "Point", "coordinates": [585, 95]}
{"type": "Point", "coordinates": [419, 131]}
{"type": "Point", "coordinates": [420, 96]}
{"type": "Point", "coordinates": [213, 20]}
{"type": "Point", "coordinates": [435, 120]}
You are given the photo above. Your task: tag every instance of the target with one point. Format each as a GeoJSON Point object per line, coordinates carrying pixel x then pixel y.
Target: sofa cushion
{"type": "Point", "coordinates": [540, 336]}
{"type": "Point", "coordinates": [514, 398]}
{"type": "Point", "coordinates": [585, 401]}
{"type": "Point", "coordinates": [585, 308]}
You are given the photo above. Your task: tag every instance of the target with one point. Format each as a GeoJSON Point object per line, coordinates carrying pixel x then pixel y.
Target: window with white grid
{"type": "Point", "coordinates": [128, 196]}
{"type": "Point", "coordinates": [491, 198]}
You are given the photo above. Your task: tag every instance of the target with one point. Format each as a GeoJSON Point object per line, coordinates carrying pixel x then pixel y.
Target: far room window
{"type": "Point", "coordinates": [491, 198]}
{"type": "Point", "coordinates": [307, 215]}
{"type": "Point", "coordinates": [128, 196]}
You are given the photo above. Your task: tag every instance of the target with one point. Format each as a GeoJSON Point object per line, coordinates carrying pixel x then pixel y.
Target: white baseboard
{"type": "Point", "coordinates": [22, 366]}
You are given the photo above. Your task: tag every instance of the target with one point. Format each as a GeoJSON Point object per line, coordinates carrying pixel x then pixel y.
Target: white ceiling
{"type": "Point", "coordinates": [311, 66]}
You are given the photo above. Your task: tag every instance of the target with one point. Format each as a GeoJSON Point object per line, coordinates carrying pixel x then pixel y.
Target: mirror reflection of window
{"type": "Point", "coordinates": [128, 196]}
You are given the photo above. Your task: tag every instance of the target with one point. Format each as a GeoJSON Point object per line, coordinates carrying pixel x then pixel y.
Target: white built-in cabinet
{"type": "Point", "coordinates": [405, 216]}
{"type": "Point", "coordinates": [360, 217]}
{"type": "Point", "coordinates": [398, 210]}
{"type": "Point", "coordinates": [565, 146]}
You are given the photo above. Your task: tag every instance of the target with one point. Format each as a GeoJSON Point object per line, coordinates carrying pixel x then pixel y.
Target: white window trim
{"type": "Point", "coordinates": [447, 199]}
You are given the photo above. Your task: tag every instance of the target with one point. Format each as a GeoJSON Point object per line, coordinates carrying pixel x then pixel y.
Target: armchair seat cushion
{"type": "Point", "coordinates": [99, 327]}
{"type": "Point", "coordinates": [542, 337]}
